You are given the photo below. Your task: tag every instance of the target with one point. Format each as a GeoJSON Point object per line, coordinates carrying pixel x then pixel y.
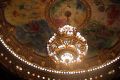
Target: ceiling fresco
{"type": "Point", "coordinates": [31, 23]}
{"type": "Point", "coordinates": [63, 12]}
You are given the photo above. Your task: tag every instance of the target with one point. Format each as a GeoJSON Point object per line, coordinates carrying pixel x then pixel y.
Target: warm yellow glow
{"type": "Point", "coordinates": [67, 46]}
{"type": "Point", "coordinates": [67, 58]}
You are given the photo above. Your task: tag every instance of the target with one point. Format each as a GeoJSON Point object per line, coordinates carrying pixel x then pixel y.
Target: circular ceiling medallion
{"type": "Point", "coordinates": [30, 37]}
{"type": "Point", "coordinates": [25, 31]}
{"type": "Point", "coordinates": [74, 12]}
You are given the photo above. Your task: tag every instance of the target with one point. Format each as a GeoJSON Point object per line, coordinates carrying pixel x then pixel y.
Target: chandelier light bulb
{"type": "Point", "coordinates": [67, 46]}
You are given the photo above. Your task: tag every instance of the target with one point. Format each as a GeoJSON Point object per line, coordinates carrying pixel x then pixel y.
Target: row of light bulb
{"type": "Point", "coordinates": [28, 72]}
{"type": "Point", "coordinates": [43, 78]}
{"type": "Point", "coordinates": [51, 70]}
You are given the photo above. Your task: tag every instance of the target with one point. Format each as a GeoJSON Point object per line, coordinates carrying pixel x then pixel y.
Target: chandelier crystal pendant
{"type": "Point", "coordinates": [67, 46]}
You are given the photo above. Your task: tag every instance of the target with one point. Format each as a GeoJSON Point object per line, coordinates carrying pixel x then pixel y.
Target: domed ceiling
{"type": "Point", "coordinates": [27, 26]}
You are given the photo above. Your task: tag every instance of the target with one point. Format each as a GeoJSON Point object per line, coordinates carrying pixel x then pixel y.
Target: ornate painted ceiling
{"type": "Point", "coordinates": [35, 21]}
{"type": "Point", "coordinates": [27, 25]}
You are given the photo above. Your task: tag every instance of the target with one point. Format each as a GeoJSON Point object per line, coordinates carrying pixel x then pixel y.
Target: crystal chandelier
{"type": "Point", "coordinates": [67, 45]}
